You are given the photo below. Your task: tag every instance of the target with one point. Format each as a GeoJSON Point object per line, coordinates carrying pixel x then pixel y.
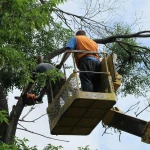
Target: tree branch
{"type": "Point", "coordinates": [145, 48]}
{"type": "Point", "coordinates": [142, 110]}
{"type": "Point", "coordinates": [32, 120]}
{"type": "Point", "coordinates": [110, 39]}
{"type": "Point", "coordinates": [24, 129]}
{"type": "Point", "coordinates": [54, 53]}
{"type": "Point", "coordinates": [132, 107]}
{"type": "Point", "coordinates": [32, 108]}
{"type": "Point", "coordinates": [113, 38]}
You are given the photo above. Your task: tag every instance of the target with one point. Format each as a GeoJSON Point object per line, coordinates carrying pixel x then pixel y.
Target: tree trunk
{"type": "Point", "coordinates": [7, 132]}
{"type": "Point", "coordinates": [3, 106]}
{"type": "Point", "coordinates": [13, 121]}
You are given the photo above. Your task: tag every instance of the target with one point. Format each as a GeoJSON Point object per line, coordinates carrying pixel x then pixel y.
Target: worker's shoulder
{"type": "Point", "coordinates": [84, 38]}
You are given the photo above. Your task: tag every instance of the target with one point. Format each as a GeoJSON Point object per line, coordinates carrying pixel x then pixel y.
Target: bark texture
{"type": "Point", "coordinates": [13, 121]}
{"type": "Point", "coordinates": [3, 106]}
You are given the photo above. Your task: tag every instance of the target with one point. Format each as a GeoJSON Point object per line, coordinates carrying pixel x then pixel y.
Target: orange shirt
{"type": "Point", "coordinates": [85, 43]}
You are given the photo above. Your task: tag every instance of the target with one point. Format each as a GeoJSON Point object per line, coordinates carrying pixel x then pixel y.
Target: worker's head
{"type": "Point", "coordinates": [80, 32]}
{"type": "Point", "coordinates": [38, 59]}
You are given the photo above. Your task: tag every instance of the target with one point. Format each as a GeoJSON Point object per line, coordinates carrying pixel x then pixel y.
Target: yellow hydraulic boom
{"type": "Point", "coordinates": [115, 118]}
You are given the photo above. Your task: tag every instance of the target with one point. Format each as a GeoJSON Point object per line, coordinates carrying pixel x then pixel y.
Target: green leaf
{"type": "Point", "coordinates": [3, 116]}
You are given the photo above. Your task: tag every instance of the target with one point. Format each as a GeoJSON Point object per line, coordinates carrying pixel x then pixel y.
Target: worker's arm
{"type": "Point", "coordinates": [70, 46]}
{"type": "Point", "coordinates": [65, 57]}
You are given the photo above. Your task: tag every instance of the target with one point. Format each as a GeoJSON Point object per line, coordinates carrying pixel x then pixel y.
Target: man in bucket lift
{"type": "Point", "coordinates": [31, 99]}
{"type": "Point", "coordinates": [85, 62]}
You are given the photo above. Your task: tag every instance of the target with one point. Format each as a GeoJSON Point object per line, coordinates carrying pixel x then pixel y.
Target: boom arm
{"type": "Point", "coordinates": [115, 118]}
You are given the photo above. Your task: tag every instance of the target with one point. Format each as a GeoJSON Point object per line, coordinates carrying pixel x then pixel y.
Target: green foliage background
{"type": "Point", "coordinates": [27, 28]}
{"type": "Point", "coordinates": [133, 63]}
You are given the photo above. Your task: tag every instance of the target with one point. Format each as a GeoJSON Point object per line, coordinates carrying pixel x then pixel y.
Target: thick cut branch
{"type": "Point", "coordinates": [55, 53]}
{"type": "Point", "coordinates": [107, 40]}
{"type": "Point", "coordinates": [142, 34]}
